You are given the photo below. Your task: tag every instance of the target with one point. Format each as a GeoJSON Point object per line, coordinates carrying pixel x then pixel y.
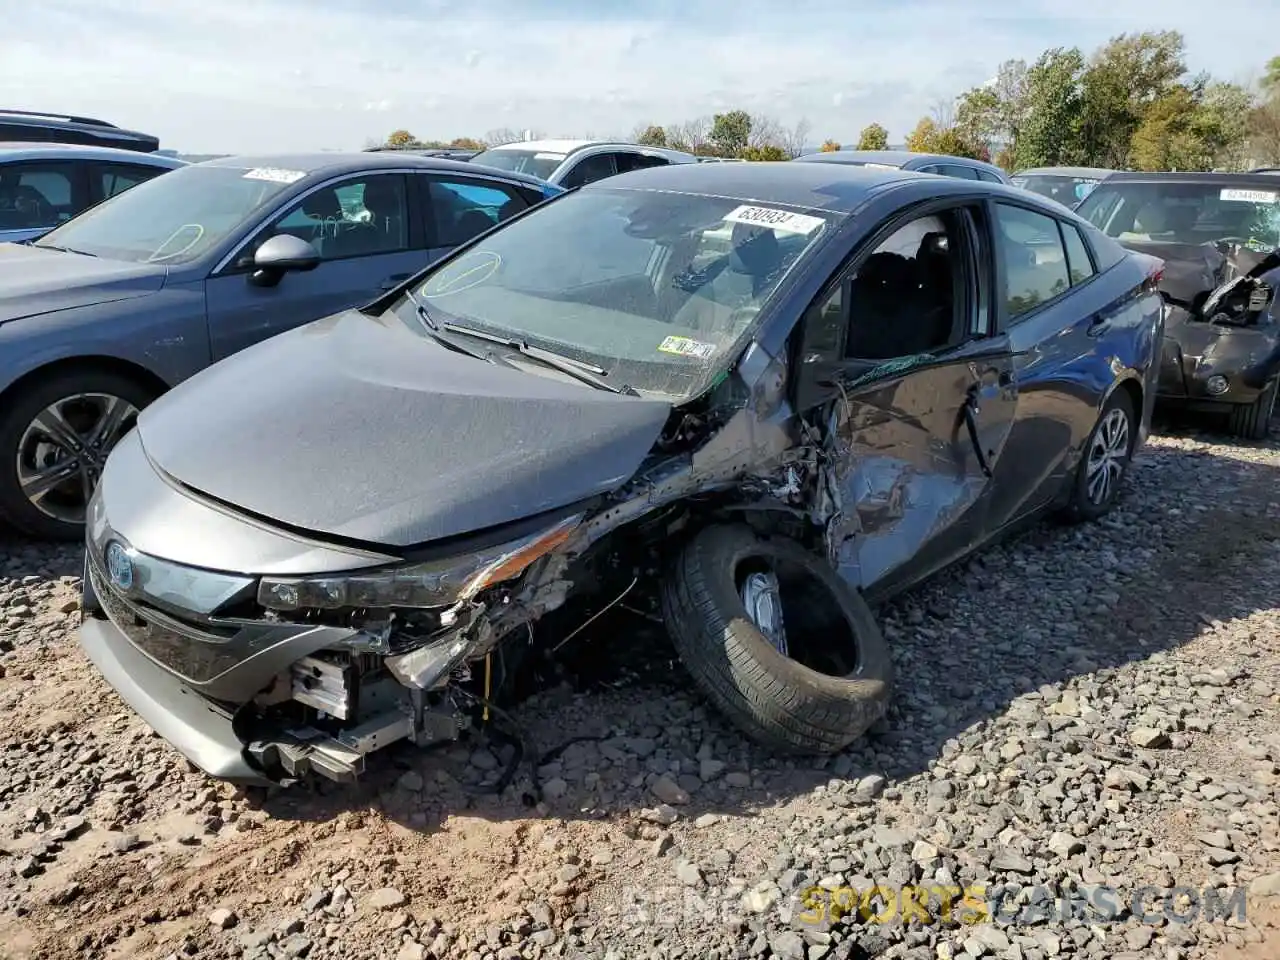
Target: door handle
{"type": "Point", "coordinates": [971, 411]}
{"type": "Point", "coordinates": [395, 280]}
{"type": "Point", "coordinates": [1098, 325]}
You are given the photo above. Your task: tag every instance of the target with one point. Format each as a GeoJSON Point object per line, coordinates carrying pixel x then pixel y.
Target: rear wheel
{"type": "Point", "coordinates": [55, 436]}
{"type": "Point", "coordinates": [1105, 463]}
{"type": "Point", "coordinates": [789, 652]}
{"type": "Point", "coordinates": [1252, 421]}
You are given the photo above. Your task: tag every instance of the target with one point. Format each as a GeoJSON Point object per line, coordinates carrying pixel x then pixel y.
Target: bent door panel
{"type": "Point", "coordinates": [912, 484]}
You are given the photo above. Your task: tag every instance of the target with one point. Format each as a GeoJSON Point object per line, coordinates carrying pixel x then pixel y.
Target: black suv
{"type": "Point", "coordinates": [30, 127]}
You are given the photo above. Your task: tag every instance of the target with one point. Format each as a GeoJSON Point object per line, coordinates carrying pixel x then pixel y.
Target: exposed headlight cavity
{"type": "Point", "coordinates": [435, 583]}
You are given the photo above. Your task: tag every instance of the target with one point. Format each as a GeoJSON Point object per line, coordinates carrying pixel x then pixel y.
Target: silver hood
{"type": "Point", "coordinates": [359, 428]}
{"type": "Point", "coordinates": [34, 280]}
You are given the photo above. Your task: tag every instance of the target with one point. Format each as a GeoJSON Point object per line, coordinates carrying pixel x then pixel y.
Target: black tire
{"type": "Point", "coordinates": [1252, 421]}
{"type": "Point", "coordinates": [774, 699]}
{"type": "Point", "coordinates": [1081, 506]}
{"type": "Point", "coordinates": [18, 412]}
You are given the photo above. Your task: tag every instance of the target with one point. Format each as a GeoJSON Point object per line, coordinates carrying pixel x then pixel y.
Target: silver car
{"type": "Point", "coordinates": [108, 311]}
{"type": "Point", "coordinates": [575, 163]}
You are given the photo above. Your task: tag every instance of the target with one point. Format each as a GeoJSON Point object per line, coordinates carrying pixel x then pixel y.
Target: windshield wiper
{"type": "Point", "coordinates": [577, 369]}
{"type": "Point", "coordinates": [433, 331]}
{"type": "Point", "coordinates": [50, 246]}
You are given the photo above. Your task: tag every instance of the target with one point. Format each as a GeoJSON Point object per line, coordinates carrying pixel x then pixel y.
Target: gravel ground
{"type": "Point", "coordinates": [1081, 713]}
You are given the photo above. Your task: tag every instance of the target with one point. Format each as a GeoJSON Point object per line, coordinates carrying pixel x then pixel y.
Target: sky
{"type": "Point", "coordinates": [262, 76]}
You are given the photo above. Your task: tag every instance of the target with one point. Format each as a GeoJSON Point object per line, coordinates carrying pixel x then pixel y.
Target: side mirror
{"type": "Point", "coordinates": [280, 254]}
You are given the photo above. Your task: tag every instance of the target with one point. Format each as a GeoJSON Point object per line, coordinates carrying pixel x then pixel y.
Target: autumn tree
{"type": "Point", "coordinates": [1123, 80]}
{"type": "Point", "coordinates": [829, 146]}
{"type": "Point", "coordinates": [690, 136]}
{"type": "Point", "coordinates": [873, 137]}
{"type": "Point", "coordinates": [466, 143]}
{"type": "Point", "coordinates": [731, 132]}
{"type": "Point", "coordinates": [923, 137]}
{"type": "Point", "coordinates": [768, 151]}
{"type": "Point", "coordinates": [651, 135]}
{"type": "Point", "coordinates": [1051, 134]}
{"type": "Point", "coordinates": [795, 139]}
{"type": "Point", "coordinates": [401, 138]}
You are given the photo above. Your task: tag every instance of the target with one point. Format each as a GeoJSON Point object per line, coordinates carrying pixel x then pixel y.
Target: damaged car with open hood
{"type": "Point", "coordinates": [1219, 235]}
{"type": "Point", "coordinates": [769, 394]}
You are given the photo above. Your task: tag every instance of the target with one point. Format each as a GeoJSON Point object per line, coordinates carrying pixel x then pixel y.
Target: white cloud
{"type": "Point", "coordinates": [267, 75]}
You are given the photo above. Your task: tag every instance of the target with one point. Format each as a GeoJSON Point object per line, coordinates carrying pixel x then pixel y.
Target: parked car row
{"type": "Point", "coordinates": [344, 435]}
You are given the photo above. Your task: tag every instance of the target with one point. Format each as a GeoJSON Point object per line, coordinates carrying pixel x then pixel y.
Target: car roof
{"type": "Point", "coordinates": [895, 158]}
{"type": "Point", "coordinates": [1099, 173]}
{"type": "Point", "coordinates": [15, 150]}
{"type": "Point", "coordinates": [567, 147]}
{"type": "Point", "coordinates": [834, 188]}
{"type": "Point", "coordinates": [1208, 179]}
{"type": "Point", "coordinates": [337, 164]}
{"type": "Point", "coordinates": [60, 126]}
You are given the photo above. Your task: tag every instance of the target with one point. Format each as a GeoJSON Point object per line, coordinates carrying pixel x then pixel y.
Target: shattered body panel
{"type": "Point", "coordinates": [396, 511]}
{"type": "Point", "coordinates": [1221, 322]}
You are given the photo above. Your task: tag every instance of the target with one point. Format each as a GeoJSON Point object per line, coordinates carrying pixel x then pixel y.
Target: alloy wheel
{"type": "Point", "coordinates": [762, 596]}
{"type": "Point", "coordinates": [1108, 455]}
{"type": "Point", "coordinates": [63, 450]}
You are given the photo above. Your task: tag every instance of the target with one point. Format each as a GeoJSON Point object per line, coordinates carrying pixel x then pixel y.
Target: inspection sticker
{"type": "Point", "coordinates": [274, 174]}
{"type": "Point", "coordinates": [1248, 196]}
{"type": "Point", "coordinates": [685, 347]}
{"type": "Point", "coordinates": [783, 220]}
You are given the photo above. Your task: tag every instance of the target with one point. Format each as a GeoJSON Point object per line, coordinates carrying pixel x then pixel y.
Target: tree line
{"type": "Point", "coordinates": [1131, 104]}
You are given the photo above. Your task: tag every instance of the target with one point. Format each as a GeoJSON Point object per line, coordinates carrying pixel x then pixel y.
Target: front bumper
{"type": "Point", "coordinates": [1194, 351]}
{"type": "Point", "coordinates": [200, 730]}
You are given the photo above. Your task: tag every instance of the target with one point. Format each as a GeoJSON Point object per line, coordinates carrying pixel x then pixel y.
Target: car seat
{"type": "Point", "coordinates": [385, 229]}
{"type": "Point", "coordinates": [881, 307]}
{"type": "Point", "coordinates": [935, 293]}
{"type": "Point", "coordinates": [322, 207]}
{"type": "Point", "coordinates": [734, 282]}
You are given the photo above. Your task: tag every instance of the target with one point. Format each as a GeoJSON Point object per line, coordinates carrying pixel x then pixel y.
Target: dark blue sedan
{"type": "Point", "coordinates": [759, 394]}
{"type": "Point", "coordinates": [134, 295]}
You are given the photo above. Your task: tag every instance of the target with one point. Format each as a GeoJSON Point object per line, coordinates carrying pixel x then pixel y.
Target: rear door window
{"type": "Point", "coordinates": [590, 169]}
{"type": "Point", "coordinates": [459, 208]}
{"type": "Point", "coordinates": [638, 161]}
{"type": "Point", "coordinates": [108, 179]}
{"type": "Point", "coordinates": [37, 194]}
{"type": "Point", "coordinates": [958, 170]}
{"type": "Point", "coordinates": [1034, 262]}
{"type": "Point", "coordinates": [988, 177]}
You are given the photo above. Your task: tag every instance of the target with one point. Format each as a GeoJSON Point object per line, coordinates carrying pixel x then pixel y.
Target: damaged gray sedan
{"type": "Point", "coordinates": [775, 393]}
{"type": "Point", "coordinates": [1219, 236]}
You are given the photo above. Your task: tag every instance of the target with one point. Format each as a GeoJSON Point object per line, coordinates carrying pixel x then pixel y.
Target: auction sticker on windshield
{"type": "Point", "coordinates": [274, 174]}
{"type": "Point", "coordinates": [686, 347]}
{"type": "Point", "coordinates": [1248, 196]}
{"type": "Point", "coordinates": [783, 220]}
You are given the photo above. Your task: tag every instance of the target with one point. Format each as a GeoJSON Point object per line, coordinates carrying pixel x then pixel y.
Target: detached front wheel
{"type": "Point", "coordinates": [786, 649]}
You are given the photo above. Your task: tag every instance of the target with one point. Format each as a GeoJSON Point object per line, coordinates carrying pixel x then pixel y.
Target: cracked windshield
{"type": "Point", "coordinates": [654, 288]}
